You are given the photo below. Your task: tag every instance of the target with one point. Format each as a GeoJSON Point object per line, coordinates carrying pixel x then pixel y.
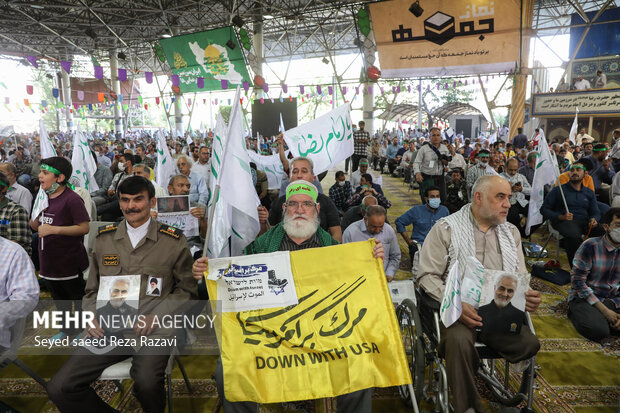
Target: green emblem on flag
{"type": "Point", "coordinates": [207, 55]}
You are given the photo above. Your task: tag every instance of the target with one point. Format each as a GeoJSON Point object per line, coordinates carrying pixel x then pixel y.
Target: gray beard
{"type": "Point", "coordinates": [300, 230]}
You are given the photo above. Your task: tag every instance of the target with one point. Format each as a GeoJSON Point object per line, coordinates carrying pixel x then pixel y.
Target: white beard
{"type": "Point", "coordinates": [302, 229]}
{"type": "Point", "coordinates": [501, 303]}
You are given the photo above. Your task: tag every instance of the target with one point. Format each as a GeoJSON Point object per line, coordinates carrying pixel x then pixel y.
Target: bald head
{"type": "Point", "coordinates": [367, 201]}
{"type": "Point", "coordinates": [490, 200]}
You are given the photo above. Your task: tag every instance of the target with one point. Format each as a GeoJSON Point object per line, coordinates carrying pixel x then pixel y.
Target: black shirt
{"type": "Point", "coordinates": [328, 213]}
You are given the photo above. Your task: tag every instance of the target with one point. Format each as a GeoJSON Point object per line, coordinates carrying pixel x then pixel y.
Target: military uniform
{"type": "Point", "coordinates": [162, 253]}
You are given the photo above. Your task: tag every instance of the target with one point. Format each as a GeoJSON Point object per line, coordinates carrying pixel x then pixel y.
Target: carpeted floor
{"type": "Point", "coordinates": [576, 375]}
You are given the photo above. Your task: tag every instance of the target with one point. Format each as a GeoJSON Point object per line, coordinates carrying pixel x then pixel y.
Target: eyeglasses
{"type": "Point", "coordinates": [296, 204]}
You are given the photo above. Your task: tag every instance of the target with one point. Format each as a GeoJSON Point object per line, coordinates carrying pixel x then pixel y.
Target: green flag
{"type": "Point", "coordinates": [207, 55]}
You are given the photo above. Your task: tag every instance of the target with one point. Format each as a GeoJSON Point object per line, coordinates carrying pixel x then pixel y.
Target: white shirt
{"type": "Point", "coordinates": [21, 196]}
{"type": "Point", "coordinates": [203, 170]}
{"type": "Point", "coordinates": [582, 85]}
{"type": "Point", "coordinates": [357, 176]}
{"type": "Point", "coordinates": [457, 162]}
{"type": "Point", "coordinates": [600, 81]}
{"type": "Point", "coordinates": [136, 234]}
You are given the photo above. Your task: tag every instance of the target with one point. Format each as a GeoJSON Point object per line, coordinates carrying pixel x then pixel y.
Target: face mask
{"type": "Point", "coordinates": [614, 234]}
{"type": "Point", "coordinates": [483, 163]}
{"type": "Point", "coordinates": [121, 167]}
{"type": "Point", "coordinates": [434, 202]}
{"type": "Point", "coordinates": [341, 183]}
{"type": "Point", "coordinates": [52, 188]}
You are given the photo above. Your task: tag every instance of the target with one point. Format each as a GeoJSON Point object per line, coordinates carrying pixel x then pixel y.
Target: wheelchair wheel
{"type": "Point", "coordinates": [411, 332]}
{"type": "Point", "coordinates": [502, 384]}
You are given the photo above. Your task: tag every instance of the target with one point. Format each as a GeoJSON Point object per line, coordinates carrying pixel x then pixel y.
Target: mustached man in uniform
{"type": "Point", "coordinates": [136, 245]}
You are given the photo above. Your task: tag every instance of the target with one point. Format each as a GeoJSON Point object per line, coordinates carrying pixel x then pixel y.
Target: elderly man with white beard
{"type": "Point", "coordinates": [298, 230]}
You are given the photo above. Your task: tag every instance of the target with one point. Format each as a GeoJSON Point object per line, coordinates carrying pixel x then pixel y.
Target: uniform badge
{"type": "Point", "coordinates": [111, 259]}
{"type": "Point", "coordinates": [513, 327]}
{"type": "Point", "coordinates": [171, 231]}
{"type": "Point", "coordinates": [107, 228]}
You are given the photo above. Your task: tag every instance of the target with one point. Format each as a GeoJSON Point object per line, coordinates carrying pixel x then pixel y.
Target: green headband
{"type": "Point", "coordinates": [364, 163]}
{"type": "Point", "coordinates": [299, 187]}
{"type": "Point", "coordinates": [50, 168]}
{"type": "Point", "coordinates": [600, 149]}
{"type": "Point", "coordinates": [579, 166]}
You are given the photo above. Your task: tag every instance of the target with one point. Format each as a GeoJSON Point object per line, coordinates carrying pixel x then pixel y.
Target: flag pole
{"type": "Point", "coordinates": [217, 182]}
{"type": "Point", "coordinates": [563, 199]}
{"type": "Point", "coordinates": [216, 195]}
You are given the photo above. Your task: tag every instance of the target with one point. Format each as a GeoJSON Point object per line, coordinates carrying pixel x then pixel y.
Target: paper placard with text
{"type": "Point", "coordinates": [253, 282]}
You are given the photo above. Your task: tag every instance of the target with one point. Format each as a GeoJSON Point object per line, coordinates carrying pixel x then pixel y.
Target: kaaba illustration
{"type": "Point", "coordinates": [439, 28]}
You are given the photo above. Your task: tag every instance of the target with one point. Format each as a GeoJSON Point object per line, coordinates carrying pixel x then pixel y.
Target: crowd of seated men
{"type": "Point", "coordinates": [481, 188]}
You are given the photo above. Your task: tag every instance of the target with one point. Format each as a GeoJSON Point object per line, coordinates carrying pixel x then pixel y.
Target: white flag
{"type": "Point", "coordinates": [271, 165]}
{"type": "Point", "coordinates": [546, 173]}
{"type": "Point", "coordinates": [327, 140]}
{"type": "Point", "coordinates": [220, 233]}
{"type": "Point", "coordinates": [47, 151]}
{"type": "Point", "coordinates": [573, 129]}
{"type": "Point", "coordinates": [236, 188]}
{"type": "Point", "coordinates": [451, 305]}
{"type": "Point", "coordinates": [165, 163]}
{"type": "Point", "coordinates": [83, 163]}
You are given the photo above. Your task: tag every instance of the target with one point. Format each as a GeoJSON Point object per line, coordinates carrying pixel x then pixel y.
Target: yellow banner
{"type": "Point", "coordinates": [342, 336]}
{"type": "Point", "coordinates": [450, 37]}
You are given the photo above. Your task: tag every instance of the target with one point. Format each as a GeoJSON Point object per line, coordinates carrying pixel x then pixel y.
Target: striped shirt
{"type": "Point", "coordinates": [290, 245]}
{"type": "Point", "coordinates": [596, 272]}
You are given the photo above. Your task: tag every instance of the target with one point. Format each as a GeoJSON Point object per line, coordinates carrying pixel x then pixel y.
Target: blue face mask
{"type": "Point", "coordinates": [434, 202]}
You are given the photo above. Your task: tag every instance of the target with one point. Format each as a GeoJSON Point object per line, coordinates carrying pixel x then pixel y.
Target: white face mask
{"type": "Point", "coordinates": [341, 183]}
{"type": "Point", "coordinates": [121, 167]}
{"type": "Point", "coordinates": [614, 234]}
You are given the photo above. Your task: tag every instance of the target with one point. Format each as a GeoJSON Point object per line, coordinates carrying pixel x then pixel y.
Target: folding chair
{"type": "Point", "coordinates": [120, 371]}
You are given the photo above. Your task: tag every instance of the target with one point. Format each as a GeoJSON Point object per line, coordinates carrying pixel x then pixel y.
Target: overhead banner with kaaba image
{"type": "Point", "coordinates": [213, 55]}
{"type": "Point", "coordinates": [450, 37]}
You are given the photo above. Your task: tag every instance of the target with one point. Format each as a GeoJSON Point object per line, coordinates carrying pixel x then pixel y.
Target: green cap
{"type": "Point", "coordinates": [301, 187]}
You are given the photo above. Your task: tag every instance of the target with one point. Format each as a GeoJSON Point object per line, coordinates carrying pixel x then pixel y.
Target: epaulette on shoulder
{"type": "Point", "coordinates": [172, 231]}
{"type": "Point", "coordinates": [107, 228]}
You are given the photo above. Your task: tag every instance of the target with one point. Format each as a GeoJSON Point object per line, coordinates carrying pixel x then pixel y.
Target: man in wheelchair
{"type": "Point", "coordinates": [497, 245]}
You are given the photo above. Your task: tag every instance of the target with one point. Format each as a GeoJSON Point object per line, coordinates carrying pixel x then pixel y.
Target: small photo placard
{"type": "Point", "coordinates": [173, 205]}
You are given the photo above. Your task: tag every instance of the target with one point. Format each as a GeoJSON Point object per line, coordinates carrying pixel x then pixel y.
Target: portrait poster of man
{"type": "Point", "coordinates": [502, 303]}
{"type": "Point", "coordinates": [175, 205]}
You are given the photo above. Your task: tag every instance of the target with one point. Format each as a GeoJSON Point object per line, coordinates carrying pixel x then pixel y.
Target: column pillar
{"type": "Point", "coordinates": [257, 63]}
{"type": "Point", "coordinates": [517, 105]}
{"type": "Point", "coordinates": [116, 88]}
{"type": "Point", "coordinates": [66, 97]}
{"type": "Point", "coordinates": [369, 49]}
